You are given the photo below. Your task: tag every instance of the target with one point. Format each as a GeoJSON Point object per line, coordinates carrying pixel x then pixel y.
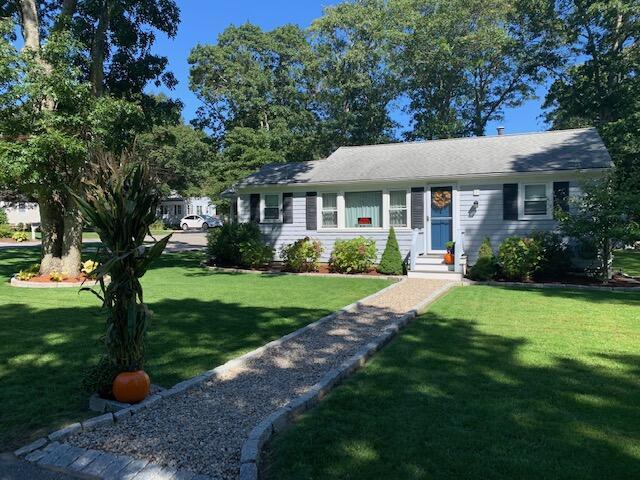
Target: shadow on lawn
{"type": "Point", "coordinates": [446, 401]}
{"type": "Point", "coordinates": [44, 353]}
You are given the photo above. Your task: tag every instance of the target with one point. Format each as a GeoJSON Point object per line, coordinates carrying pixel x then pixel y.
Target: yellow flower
{"type": "Point", "coordinates": [89, 266]}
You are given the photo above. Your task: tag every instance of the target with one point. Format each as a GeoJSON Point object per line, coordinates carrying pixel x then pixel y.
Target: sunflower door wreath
{"type": "Point", "coordinates": [441, 198]}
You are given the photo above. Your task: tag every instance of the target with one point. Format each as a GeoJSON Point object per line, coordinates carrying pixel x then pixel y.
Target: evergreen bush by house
{"type": "Point", "coordinates": [485, 250]}
{"type": "Point", "coordinates": [391, 262]}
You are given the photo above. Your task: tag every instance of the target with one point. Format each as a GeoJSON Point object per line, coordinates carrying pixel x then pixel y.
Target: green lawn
{"type": "Point", "coordinates": [628, 261]}
{"type": "Point", "coordinates": [202, 319]}
{"type": "Point", "coordinates": [491, 383]}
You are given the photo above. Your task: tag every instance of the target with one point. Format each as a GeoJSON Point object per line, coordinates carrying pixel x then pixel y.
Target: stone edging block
{"type": "Point", "coordinates": [283, 417]}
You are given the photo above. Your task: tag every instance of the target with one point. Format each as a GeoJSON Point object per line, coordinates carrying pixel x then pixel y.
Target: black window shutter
{"type": "Point", "coordinates": [312, 211]}
{"type": "Point", "coordinates": [287, 208]}
{"type": "Point", "coordinates": [561, 196]}
{"type": "Point", "coordinates": [234, 209]}
{"type": "Point", "coordinates": [254, 208]}
{"type": "Point", "coordinates": [510, 201]}
{"type": "Point", "coordinates": [417, 207]}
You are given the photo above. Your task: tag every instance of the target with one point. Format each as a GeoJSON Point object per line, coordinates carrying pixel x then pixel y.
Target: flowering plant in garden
{"type": "Point", "coordinates": [301, 255]}
{"type": "Point", "coordinates": [353, 256]}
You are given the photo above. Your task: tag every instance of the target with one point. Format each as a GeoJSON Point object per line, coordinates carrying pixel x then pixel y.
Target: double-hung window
{"type": "Point", "coordinates": [271, 212]}
{"type": "Point", "coordinates": [330, 210]}
{"type": "Point", "coordinates": [534, 201]}
{"type": "Point", "coordinates": [363, 209]}
{"type": "Point", "coordinates": [398, 208]}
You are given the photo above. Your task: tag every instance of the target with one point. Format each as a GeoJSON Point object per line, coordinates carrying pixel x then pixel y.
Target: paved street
{"type": "Point", "coordinates": [180, 242]}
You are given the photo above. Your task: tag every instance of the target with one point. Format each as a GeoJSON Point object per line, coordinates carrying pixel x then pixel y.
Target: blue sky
{"type": "Point", "coordinates": [203, 20]}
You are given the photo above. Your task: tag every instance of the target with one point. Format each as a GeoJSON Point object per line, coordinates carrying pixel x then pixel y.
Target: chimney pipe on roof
{"type": "Point", "coordinates": [500, 130]}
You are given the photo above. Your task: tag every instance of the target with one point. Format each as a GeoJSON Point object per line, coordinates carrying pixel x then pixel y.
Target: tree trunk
{"type": "Point", "coordinates": [30, 25]}
{"type": "Point", "coordinates": [98, 49]}
{"type": "Point", "coordinates": [52, 226]}
{"type": "Point", "coordinates": [61, 227]}
{"type": "Point", "coordinates": [71, 239]}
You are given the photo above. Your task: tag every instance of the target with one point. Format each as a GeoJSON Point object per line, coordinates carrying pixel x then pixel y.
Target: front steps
{"type": "Point", "coordinates": [432, 267]}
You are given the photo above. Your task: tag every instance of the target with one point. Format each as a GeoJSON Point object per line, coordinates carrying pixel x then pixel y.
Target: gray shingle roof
{"type": "Point", "coordinates": [532, 152]}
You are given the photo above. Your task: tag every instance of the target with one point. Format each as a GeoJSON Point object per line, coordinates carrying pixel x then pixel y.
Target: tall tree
{"type": "Point", "coordinates": [464, 61]}
{"type": "Point", "coordinates": [256, 96]}
{"type": "Point", "coordinates": [601, 85]}
{"type": "Point", "coordinates": [179, 154]}
{"type": "Point", "coordinates": [356, 87]}
{"type": "Point", "coordinates": [47, 115]}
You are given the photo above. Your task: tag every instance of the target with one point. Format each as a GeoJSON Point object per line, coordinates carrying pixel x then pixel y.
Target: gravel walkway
{"type": "Point", "coordinates": [203, 429]}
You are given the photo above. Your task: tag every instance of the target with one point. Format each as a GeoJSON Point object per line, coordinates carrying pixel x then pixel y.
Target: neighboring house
{"type": "Point", "coordinates": [21, 212]}
{"type": "Point", "coordinates": [431, 192]}
{"type": "Point", "coordinates": [174, 207]}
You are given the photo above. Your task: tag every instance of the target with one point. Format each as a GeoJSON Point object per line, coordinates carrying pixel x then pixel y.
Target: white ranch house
{"type": "Point", "coordinates": [174, 207]}
{"type": "Point", "coordinates": [21, 212]}
{"type": "Point", "coordinates": [432, 192]}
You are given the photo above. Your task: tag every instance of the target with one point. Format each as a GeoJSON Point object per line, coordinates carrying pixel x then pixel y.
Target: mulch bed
{"type": "Point", "coordinates": [323, 268]}
{"type": "Point", "coordinates": [617, 281]}
{"type": "Point", "coordinates": [46, 279]}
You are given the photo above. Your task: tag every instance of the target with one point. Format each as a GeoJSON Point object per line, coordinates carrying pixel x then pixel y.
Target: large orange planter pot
{"type": "Point", "coordinates": [449, 258]}
{"type": "Point", "coordinates": [131, 387]}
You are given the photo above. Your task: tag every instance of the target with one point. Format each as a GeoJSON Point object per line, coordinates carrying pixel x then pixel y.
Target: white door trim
{"type": "Point", "coordinates": [427, 190]}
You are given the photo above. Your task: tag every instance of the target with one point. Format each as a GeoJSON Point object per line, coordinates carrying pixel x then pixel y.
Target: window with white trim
{"type": "Point", "coordinates": [363, 209]}
{"type": "Point", "coordinates": [534, 200]}
{"type": "Point", "coordinates": [199, 209]}
{"type": "Point", "coordinates": [398, 208]}
{"type": "Point", "coordinates": [271, 211]}
{"type": "Point", "coordinates": [330, 210]}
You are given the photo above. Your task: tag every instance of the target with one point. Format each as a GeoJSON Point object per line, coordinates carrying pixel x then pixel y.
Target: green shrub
{"type": "Point", "coordinates": [20, 227]}
{"type": "Point", "coordinates": [485, 268]}
{"type": "Point", "coordinates": [3, 217]}
{"type": "Point", "coordinates": [255, 254]}
{"type": "Point", "coordinates": [353, 256]}
{"type": "Point", "coordinates": [158, 225]}
{"type": "Point", "coordinates": [223, 244]}
{"type": "Point", "coordinates": [301, 255]}
{"type": "Point", "coordinates": [391, 262]}
{"type": "Point", "coordinates": [6, 231]}
{"type": "Point", "coordinates": [99, 378]}
{"type": "Point", "coordinates": [519, 258]}
{"type": "Point", "coordinates": [20, 236]}
{"type": "Point", "coordinates": [485, 250]}
{"type": "Point", "coordinates": [555, 257]}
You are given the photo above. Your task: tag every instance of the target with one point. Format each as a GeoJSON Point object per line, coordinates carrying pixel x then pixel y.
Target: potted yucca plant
{"type": "Point", "coordinates": [120, 201]}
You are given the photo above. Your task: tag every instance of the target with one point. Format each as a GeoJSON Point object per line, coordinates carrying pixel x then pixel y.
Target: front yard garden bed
{"type": "Point", "coordinates": [45, 281]}
{"type": "Point", "coordinates": [491, 382]}
{"type": "Point", "coordinates": [617, 282]}
{"type": "Point", "coordinates": [277, 268]}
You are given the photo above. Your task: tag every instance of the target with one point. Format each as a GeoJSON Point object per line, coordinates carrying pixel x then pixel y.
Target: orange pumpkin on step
{"type": "Point", "coordinates": [449, 258]}
{"type": "Point", "coordinates": [131, 387]}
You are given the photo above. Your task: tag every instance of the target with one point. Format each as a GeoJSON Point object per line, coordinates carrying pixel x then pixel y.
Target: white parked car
{"type": "Point", "coordinates": [201, 222]}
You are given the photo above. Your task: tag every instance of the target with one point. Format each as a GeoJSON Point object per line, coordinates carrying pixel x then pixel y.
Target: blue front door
{"type": "Point", "coordinates": [441, 219]}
